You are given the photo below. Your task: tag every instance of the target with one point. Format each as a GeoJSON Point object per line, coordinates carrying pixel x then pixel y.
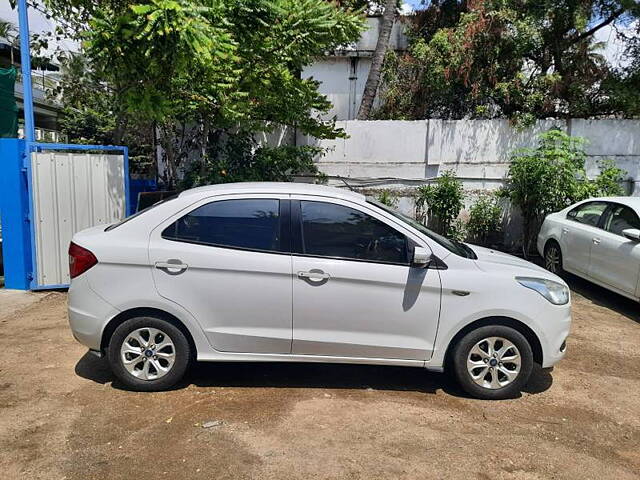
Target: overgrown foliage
{"type": "Point", "coordinates": [520, 59]}
{"type": "Point", "coordinates": [551, 177]}
{"type": "Point", "coordinates": [485, 217]}
{"type": "Point", "coordinates": [388, 197]}
{"type": "Point", "coordinates": [212, 68]}
{"type": "Point", "coordinates": [238, 158]}
{"type": "Point", "coordinates": [442, 203]}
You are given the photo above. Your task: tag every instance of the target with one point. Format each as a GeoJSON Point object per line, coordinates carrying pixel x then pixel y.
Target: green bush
{"type": "Point", "coordinates": [485, 217]}
{"type": "Point", "coordinates": [388, 197]}
{"type": "Point", "coordinates": [441, 202]}
{"type": "Point", "coordinates": [545, 179]}
{"type": "Point", "coordinates": [551, 176]}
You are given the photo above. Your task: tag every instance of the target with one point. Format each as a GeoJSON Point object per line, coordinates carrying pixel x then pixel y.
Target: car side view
{"type": "Point", "coordinates": [305, 273]}
{"type": "Point", "coordinates": [598, 240]}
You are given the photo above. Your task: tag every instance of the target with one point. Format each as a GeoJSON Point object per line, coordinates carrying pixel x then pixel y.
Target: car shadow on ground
{"type": "Point", "coordinates": [603, 297]}
{"type": "Point", "coordinates": [308, 375]}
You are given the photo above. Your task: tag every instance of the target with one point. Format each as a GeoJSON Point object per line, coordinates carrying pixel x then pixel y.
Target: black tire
{"type": "Point", "coordinates": [462, 351]}
{"type": "Point", "coordinates": [178, 367]}
{"type": "Point", "coordinates": [552, 251]}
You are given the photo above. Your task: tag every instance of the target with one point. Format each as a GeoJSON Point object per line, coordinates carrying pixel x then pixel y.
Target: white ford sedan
{"type": "Point", "coordinates": [597, 239]}
{"type": "Point", "coordinates": [306, 273]}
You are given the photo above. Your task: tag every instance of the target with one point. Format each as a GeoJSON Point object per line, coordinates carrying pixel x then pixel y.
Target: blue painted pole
{"type": "Point", "coordinates": [25, 60]}
{"type": "Point", "coordinates": [14, 210]}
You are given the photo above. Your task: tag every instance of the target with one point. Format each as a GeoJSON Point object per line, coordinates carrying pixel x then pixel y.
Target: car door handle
{"type": "Point", "coordinates": [172, 266]}
{"type": "Point", "coordinates": [314, 275]}
{"type": "Point", "coordinates": [595, 240]}
{"type": "Point", "coordinates": [565, 230]}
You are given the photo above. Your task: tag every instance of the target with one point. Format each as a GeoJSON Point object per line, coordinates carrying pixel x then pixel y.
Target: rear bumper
{"type": "Point", "coordinates": [88, 313]}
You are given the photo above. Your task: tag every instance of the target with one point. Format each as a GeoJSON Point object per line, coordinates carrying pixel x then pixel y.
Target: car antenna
{"type": "Point", "coordinates": [347, 184]}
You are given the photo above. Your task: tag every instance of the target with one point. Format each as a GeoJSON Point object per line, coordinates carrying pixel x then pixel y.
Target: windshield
{"type": "Point", "coordinates": [453, 246]}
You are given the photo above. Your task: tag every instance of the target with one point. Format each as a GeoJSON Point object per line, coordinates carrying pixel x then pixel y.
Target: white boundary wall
{"type": "Point", "coordinates": [411, 152]}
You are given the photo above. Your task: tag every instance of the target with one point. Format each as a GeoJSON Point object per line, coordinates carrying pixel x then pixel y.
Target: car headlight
{"type": "Point", "coordinates": [555, 292]}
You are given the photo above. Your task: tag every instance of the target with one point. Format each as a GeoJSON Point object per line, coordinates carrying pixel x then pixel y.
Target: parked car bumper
{"type": "Point", "coordinates": [88, 313]}
{"type": "Point", "coordinates": [557, 327]}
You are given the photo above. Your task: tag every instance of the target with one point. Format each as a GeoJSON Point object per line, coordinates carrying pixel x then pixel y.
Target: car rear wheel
{"type": "Point", "coordinates": [148, 354]}
{"type": "Point", "coordinates": [493, 362]}
{"type": "Point", "coordinates": [553, 258]}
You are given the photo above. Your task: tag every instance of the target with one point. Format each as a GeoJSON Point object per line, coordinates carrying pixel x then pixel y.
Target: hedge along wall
{"type": "Point", "coordinates": [401, 155]}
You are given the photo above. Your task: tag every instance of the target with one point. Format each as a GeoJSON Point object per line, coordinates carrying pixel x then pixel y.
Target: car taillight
{"type": "Point", "coordinates": [80, 260]}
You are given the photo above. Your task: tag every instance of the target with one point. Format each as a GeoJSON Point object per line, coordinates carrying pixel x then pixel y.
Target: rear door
{"type": "Point", "coordinates": [615, 259]}
{"type": "Point", "coordinates": [578, 231]}
{"type": "Point", "coordinates": [355, 293]}
{"type": "Point", "coordinates": [226, 260]}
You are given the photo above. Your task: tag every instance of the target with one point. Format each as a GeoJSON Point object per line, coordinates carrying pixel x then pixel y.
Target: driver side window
{"type": "Point", "coordinates": [331, 230]}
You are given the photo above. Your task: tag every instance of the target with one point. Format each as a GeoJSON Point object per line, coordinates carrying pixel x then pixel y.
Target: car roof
{"type": "Point", "coordinates": [633, 202]}
{"type": "Point", "coordinates": [275, 188]}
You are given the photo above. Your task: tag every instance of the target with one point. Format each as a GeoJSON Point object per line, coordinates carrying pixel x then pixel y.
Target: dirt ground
{"type": "Point", "coordinates": [62, 417]}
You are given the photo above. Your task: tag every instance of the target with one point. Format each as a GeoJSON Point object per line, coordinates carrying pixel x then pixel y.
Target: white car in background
{"type": "Point", "coordinates": [304, 273]}
{"type": "Point", "coordinates": [596, 239]}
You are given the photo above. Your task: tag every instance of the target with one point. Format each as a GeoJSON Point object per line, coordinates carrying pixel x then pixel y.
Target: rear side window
{"type": "Point", "coordinates": [252, 224]}
{"type": "Point", "coordinates": [620, 218]}
{"type": "Point", "coordinates": [336, 231]}
{"type": "Point", "coordinates": [588, 213]}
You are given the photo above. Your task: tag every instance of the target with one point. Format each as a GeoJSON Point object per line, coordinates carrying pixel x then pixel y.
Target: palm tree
{"type": "Point", "coordinates": [373, 80]}
{"type": "Point", "coordinates": [10, 34]}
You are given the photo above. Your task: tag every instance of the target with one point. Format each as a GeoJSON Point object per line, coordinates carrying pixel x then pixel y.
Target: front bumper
{"type": "Point", "coordinates": [557, 328]}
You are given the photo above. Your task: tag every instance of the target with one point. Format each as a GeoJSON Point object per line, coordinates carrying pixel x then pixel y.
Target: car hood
{"type": "Point", "coordinates": [491, 260]}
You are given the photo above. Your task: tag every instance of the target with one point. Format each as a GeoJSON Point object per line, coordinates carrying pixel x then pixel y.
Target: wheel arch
{"type": "Point", "coordinates": [125, 315]}
{"type": "Point", "coordinates": [517, 325]}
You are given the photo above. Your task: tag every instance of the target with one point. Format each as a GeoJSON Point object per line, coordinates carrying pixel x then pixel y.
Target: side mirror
{"type": "Point", "coordinates": [632, 234]}
{"type": "Point", "coordinates": [422, 257]}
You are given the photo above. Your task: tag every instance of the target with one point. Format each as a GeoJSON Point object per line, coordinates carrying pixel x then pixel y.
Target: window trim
{"type": "Point", "coordinates": [284, 225]}
{"type": "Point", "coordinates": [611, 206]}
{"type": "Point", "coordinates": [297, 244]}
{"type": "Point", "coordinates": [597, 225]}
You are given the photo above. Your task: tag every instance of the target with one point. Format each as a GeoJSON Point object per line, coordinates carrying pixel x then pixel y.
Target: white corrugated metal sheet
{"type": "Point", "coordinates": [72, 191]}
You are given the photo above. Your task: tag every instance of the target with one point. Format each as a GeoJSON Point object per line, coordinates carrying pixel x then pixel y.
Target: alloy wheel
{"type": "Point", "coordinates": [148, 353]}
{"type": "Point", "coordinates": [494, 362]}
{"type": "Point", "coordinates": [552, 259]}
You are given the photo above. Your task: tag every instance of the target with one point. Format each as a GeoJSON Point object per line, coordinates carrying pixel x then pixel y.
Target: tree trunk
{"type": "Point", "coordinates": [373, 80]}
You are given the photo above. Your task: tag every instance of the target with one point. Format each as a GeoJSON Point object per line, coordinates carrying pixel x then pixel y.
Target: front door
{"type": "Point", "coordinates": [615, 259]}
{"type": "Point", "coordinates": [227, 262]}
{"type": "Point", "coordinates": [355, 293]}
{"type": "Point", "coordinates": [578, 233]}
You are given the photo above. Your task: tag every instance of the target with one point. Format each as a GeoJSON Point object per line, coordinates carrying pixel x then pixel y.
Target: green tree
{"type": "Point", "coordinates": [522, 59]}
{"type": "Point", "coordinates": [204, 70]}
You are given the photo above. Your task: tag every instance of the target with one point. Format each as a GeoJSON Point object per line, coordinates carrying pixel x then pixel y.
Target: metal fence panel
{"type": "Point", "coordinates": [72, 192]}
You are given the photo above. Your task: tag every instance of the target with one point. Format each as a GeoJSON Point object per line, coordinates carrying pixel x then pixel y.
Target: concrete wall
{"type": "Point", "coordinates": [401, 155]}
{"type": "Point", "coordinates": [343, 73]}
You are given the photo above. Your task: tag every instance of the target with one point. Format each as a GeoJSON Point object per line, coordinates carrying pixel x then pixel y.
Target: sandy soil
{"type": "Point", "coordinates": [62, 417]}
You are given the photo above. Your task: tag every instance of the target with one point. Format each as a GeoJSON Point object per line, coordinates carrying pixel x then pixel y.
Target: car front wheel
{"type": "Point", "coordinates": [148, 354]}
{"type": "Point", "coordinates": [493, 362]}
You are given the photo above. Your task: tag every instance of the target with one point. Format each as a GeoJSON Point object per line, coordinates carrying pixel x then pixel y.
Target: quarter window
{"type": "Point", "coordinates": [252, 224]}
{"type": "Point", "coordinates": [331, 230]}
{"type": "Point", "coordinates": [620, 218]}
{"type": "Point", "coordinates": [588, 213]}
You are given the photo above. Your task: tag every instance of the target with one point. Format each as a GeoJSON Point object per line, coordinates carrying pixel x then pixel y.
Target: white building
{"type": "Point", "coordinates": [343, 73]}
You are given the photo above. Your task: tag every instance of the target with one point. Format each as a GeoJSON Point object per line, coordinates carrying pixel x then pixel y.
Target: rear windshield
{"type": "Point", "coordinates": [137, 214]}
